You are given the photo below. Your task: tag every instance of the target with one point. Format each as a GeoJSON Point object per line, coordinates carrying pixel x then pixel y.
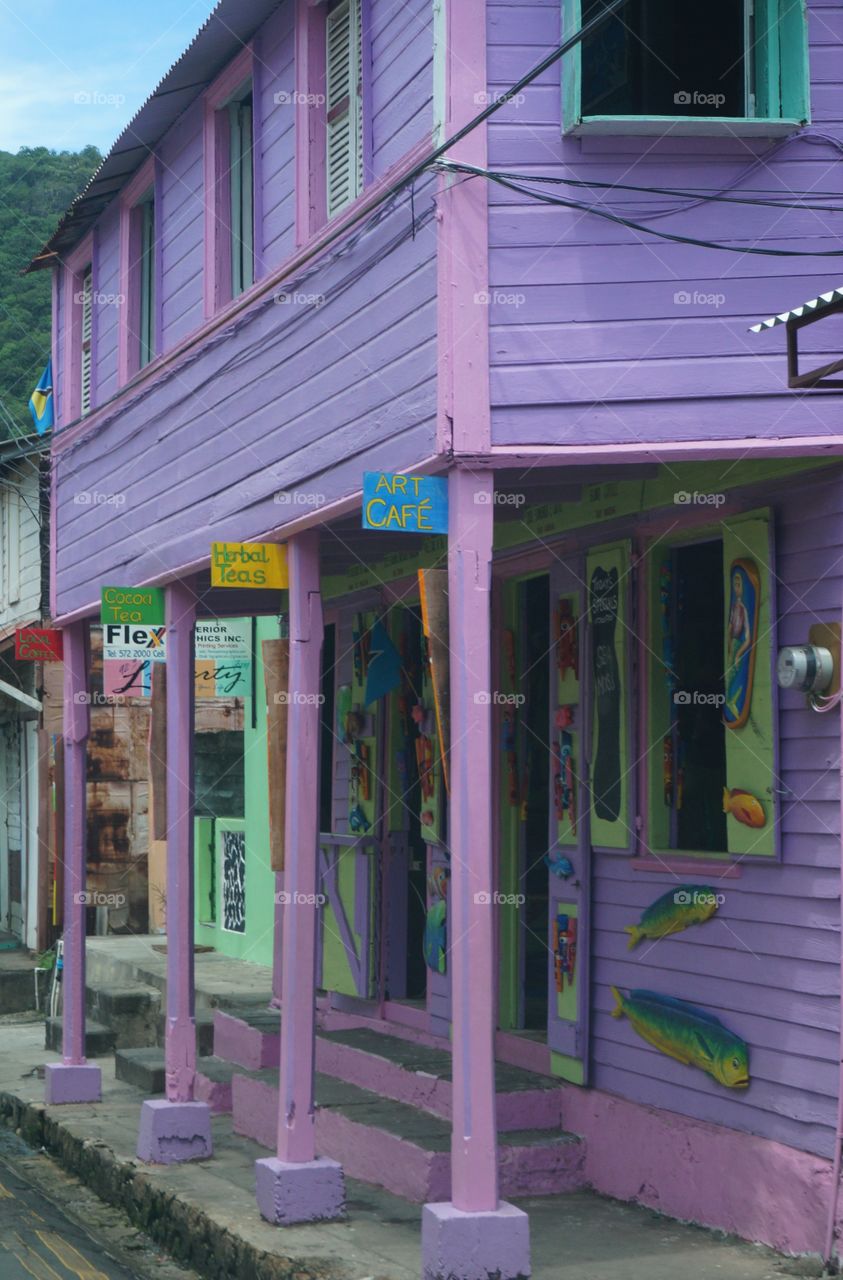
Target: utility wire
{"type": "Point", "coordinates": [561, 202]}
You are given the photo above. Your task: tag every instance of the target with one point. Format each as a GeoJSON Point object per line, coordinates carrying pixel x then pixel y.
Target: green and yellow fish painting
{"type": "Point", "coordinates": [674, 911]}
{"type": "Point", "coordinates": [687, 1033]}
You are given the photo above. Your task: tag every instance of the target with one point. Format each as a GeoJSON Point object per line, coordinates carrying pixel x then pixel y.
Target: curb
{"type": "Point", "coordinates": [186, 1232]}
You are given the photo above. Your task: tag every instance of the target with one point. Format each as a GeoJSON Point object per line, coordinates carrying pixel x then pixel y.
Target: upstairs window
{"type": "Point", "coordinates": [230, 128]}
{"type": "Point", "coordinates": [684, 67]}
{"type": "Point", "coordinates": [86, 335]}
{"type": "Point", "coordinates": [344, 104]}
{"type": "Point", "coordinates": [241, 191]}
{"type": "Point", "coordinates": [144, 219]}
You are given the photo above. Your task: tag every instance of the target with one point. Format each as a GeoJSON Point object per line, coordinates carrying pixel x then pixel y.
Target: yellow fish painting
{"type": "Point", "coordinates": [744, 806]}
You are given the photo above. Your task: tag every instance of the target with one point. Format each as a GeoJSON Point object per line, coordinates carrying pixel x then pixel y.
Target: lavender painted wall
{"type": "Point", "coordinates": [332, 375]}
{"type": "Point", "coordinates": [276, 161]}
{"type": "Point", "coordinates": [587, 340]}
{"type": "Point", "coordinates": [402, 78]}
{"type": "Point", "coordinates": [181, 228]}
{"type": "Point", "coordinates": [768, 964]}
{"type": "Point", "coordinates": [106, 307]}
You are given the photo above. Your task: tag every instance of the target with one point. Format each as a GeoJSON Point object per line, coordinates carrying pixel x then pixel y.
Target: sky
{"type": "Point", "coordinates": [74, 72]}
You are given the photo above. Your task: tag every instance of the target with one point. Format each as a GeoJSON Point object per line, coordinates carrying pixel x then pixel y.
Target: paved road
{"type": "Point", "coordinates": [36, 1239]}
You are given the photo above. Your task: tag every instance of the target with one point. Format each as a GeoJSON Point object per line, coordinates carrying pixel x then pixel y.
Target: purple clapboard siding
{"type": "Point", "coordinates": [584, 314]}
{"type": "Point", "coordinates": [304, 392]}
{"type": "Point", "coordinates": [181, 228]}
{"type": "Point", "coordinates": [768, 963]}
{"type": "Point", "coordinates": [401, 79]}
{"type": "Point", "coordinates": [277, 108]}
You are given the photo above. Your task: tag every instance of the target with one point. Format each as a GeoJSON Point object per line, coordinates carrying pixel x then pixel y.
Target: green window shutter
{"type": "Point", "coordinates": [750, 746]}
{"type": "Point", "coordinates": [147, 282]}
{"type": "Point", "coordinates": [87, 334]}
{"type": "Point", "coordinates": [610, 778]}
{"type": "Point", "coordinates": [344, 157]}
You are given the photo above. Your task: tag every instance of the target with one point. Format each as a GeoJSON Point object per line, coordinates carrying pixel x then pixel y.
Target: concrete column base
{"type": "Point", "coordinates": [174, 1131]}
{"type": "Point", "coordinates": [309, 1192]}
{"type": "Point", "coordinates": [66, 1082]}
{"type": "Point", "coordinates": [475, 1246]}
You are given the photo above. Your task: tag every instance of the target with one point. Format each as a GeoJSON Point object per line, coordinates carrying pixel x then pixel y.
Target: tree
{"type": "Point", "coordinates": [36, 186]}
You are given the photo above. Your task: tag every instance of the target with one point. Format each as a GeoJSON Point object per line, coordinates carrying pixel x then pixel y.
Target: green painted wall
{"type": "Point", "coordinates": [255, 944]}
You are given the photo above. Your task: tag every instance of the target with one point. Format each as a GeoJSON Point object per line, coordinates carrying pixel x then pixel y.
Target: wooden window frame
{"type": "Point", "coordinates": [784, 82]}
{"type": "Point", "coordinates": [77, 264]}
{"type": "Point", "coordinates": [130, 353]}
{"type": "Point", "coordinates": [218, 230]}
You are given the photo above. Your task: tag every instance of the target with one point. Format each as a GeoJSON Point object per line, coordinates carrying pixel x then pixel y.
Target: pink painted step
{"type": "Point", "coordinates": [402, 1148]}
{"type": "Point", "coordinates": [212, 1084]}
{"type": "Point", "coordinates": [250, 1038]}
{"type": "Point", "coordinates": [403, 1070]}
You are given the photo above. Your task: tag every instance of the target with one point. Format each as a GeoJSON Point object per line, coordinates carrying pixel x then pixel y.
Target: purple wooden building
{"type": "Point", "coordinates": [578, 832]}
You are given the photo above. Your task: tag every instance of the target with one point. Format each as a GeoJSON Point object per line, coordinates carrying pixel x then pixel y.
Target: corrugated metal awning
{"type": "Point", "coordinates": [816, 304]}
{"type": "Point", "coordinates": [231, 25]}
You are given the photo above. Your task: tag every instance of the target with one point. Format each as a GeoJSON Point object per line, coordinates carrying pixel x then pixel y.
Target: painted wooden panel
{"type": "Point", "coordinates": [274, 164]}
{"type": "Point", "coordinates": [576, 354]}
{"type": "Point", "coordinates": [205, 450]}
{"type": "Point", "coordinates": [767, 964]}
{"type": "Point", "coordinates": [402, 78]}
{"type": "Point", "coordinates": [181, 221]}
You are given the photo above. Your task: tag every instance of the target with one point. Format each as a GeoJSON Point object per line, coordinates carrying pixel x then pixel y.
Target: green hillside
{"type": "Point", "coordinates": [36, 186]}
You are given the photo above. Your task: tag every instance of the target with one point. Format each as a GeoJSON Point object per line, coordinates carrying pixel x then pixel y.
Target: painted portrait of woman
{"type": "Point", "coordinates": [741, 634]}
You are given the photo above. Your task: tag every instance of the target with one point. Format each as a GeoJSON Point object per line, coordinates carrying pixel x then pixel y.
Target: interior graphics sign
{"type": "Point", "coordinates": [138, 605]}
{"type": "Point", "coordinates": [126, 643]}
{"type": "Point", "coordinates": [224, 658]}
{"type": "Point", "coordinates": [249, 564]}
{"type": "Point", "coordinates": [405, 504]}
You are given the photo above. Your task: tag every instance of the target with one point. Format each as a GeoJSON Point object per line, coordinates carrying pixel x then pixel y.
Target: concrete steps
{"type": "Point", "coordinates": [142, 1067]}
{"type": "Point", "coordinates": [133, 1012]}
{"type": "Point", "coordinates": [99, 1040]}
{"type": "Point", "coordinates": [402, 1148]}
{"type": "Point", "coordinates": [384, 1107]}
{"type": "Point", "coordinates": [406, 1072]}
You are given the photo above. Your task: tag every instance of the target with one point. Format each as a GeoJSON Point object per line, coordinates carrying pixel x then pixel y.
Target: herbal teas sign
{"type": "Point", "coordinates": [142, 606]}
{"type": "Point", "coordinates": [38, 644]}
{"type": "Point", "coordinates": [405, 504]}
{"type": "Point", "coordinates": [249, 564]}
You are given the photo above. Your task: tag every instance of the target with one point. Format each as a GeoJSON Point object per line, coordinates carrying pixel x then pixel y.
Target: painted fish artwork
{"type": "Point", "coordinates": [741, 634]}
{"type": "Point", "coordinates": [435, 936]}
{"type": "Point", "coordinates": [687, 1033]}
{"type": "Point", "coordinates": [674, 911]}
{"type": "Point", "coordinates": [744, 806]}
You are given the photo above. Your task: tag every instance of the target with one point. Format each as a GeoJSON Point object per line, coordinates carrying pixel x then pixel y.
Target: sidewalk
{"type": "Point", "coordinates": [204, 1214]}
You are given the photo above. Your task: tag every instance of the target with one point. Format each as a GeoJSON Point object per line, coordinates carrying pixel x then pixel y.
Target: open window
{"type": "Point", "coordinates": [712, 764]}
{"type": "Point", "coordinates": [660, 66]}
{"type": "Point", "coordinates": [344, 104]}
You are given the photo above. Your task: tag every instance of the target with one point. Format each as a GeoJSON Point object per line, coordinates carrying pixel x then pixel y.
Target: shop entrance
{"type": "Point", "coordinates": [543, 853]}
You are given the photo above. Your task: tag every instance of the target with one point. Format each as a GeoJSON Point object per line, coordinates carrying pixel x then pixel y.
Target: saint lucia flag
{"type": "Point", "coordinates": [41, 401]}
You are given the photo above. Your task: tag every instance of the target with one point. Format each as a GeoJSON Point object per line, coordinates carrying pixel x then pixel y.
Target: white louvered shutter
{"type": "Point", "coordinates": [87, 329]}
{"type": "Point", "coordinates": [344, 107]}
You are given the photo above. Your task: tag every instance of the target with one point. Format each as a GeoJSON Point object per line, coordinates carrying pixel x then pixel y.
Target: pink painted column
{"type": "Point", "coordinates": [74, 1079]}
{"type": "Point", "coordinates": [475, 1234]}
{"type": "Point", "coordinates": [177, 1128]}
{"type": "Point", "coordinates": [297, 1186]}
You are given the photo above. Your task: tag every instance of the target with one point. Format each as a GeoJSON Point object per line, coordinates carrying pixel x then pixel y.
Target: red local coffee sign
{"type": "Point", "coordinates": [38, 644]}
